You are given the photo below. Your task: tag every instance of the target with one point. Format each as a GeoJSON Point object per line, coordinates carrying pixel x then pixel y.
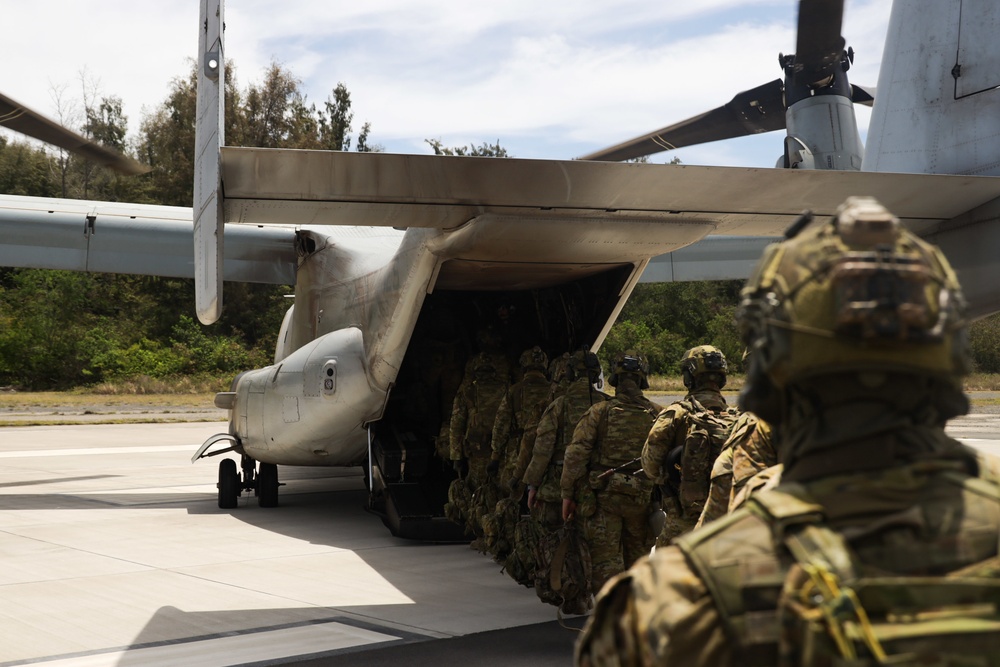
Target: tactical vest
{"type": "Point", "coordinates": [622, 433]}
{"type": "Point", "coordinates": [791, 591]}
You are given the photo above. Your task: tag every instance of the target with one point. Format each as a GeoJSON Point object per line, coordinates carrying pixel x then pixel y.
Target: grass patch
{"type": "Point", "coordinates": [82, 399]}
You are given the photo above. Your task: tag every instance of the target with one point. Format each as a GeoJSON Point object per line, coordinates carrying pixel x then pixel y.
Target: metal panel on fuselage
{"type": "Point", "coordinates": [919, 124]}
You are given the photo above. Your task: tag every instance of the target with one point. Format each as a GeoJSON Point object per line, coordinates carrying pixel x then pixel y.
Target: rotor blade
{"type": "Point", "coordinates": [819, 45]}
{"type": "Point", "coordinates": [19, 118]}
{"type": "Point", "coordinates": [862, 94]}
{"type": "Point", "coordinates": [760, 109]}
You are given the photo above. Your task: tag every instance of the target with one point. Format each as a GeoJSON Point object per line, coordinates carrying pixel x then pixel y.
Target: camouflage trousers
{"type": "Point", "coordinates": [618, 535]}
{"type": "Point", "coordinates": [675, 523]}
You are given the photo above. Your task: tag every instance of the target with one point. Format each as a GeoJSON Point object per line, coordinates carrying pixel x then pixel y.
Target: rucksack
{"type": "Point", "coordinates": [520, 562]}
{"type": "Point", "coordinates": [689, 465]}
{"type": "Point", "coordinates": [459, 498]}
{"type": "Point", "coordinates": [831, 614]}
{"type": "Point", "coordinates": [481, 504]}
{"type": "Point", "coordinates": [498, 528]}
{"type": "Point", "coordinates": [563, 570]}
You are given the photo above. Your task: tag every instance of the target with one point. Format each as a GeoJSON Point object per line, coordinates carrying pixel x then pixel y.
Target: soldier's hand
{"type": "Point", "coordinates": [568, 509]}
{"type": "Point", "coordinates": [532, 497]}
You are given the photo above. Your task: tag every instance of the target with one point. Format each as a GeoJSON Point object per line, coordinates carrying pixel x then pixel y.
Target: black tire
{"type": "Point", "coordinates": [267, 485]}
{"type": "Point", "coordinates": [229, 484]}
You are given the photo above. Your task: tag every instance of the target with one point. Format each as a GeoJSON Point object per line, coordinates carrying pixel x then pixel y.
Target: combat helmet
{"type": "Point", "coordinates": [701, 364]}
{"type": "Point", "coordinates": [534, 359]}
{"type": "Point", "coordinates": [584, 363]}
{"type": "Point", "coordinates": [559, 368]}
{"type": "Point", "coordinates": [483, 366]}
{"type": "Point", "coordinates": [630, 362]}
{"type": "Point", "coordinates": [860, 295]}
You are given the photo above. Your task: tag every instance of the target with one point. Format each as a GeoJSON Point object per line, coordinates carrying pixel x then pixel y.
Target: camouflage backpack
{"type": "Point", "coordinates": [498, 528]}
{"type": "Point", "coordinates": [689, 465]}
{"type": "Point", "coordinates": [520, 563]}
{"type": "Point", "coordinates": [563, 570]}
{"type": "Point", "coordinates": [484, 499]}
{"type": "Point", "coordinates": [832, 614]}
{"type": "Point", "coordinates": [459, 499]}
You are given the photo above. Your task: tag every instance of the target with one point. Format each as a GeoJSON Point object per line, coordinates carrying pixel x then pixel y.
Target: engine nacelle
{"type": "Point", "coordinates": [311, 407]}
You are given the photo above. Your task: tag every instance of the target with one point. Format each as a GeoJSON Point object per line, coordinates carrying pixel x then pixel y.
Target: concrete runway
{"type": "Point", "coordinates": [113, 552]}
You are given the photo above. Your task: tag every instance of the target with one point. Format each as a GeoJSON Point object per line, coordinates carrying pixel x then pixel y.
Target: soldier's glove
{"type": "Point", "coordinates": [492, 468]}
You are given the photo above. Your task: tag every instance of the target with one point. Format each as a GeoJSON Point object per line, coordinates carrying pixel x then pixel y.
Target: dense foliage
{"type": "Point", "coordinates": [663, 320]}
{"type": "Point", "coordinates": [62, 329]}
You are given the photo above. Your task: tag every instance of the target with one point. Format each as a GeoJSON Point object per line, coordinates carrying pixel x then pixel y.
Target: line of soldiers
{"type": "Point", "coordinates": [876, 539]}
{"type": "Point", "coordinates": [831, 522]}
{"type": "Point", "coordinates": [607, 477]}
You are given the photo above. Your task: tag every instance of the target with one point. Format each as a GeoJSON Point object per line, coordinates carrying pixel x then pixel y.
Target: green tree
{"type": "Point", "coordinates": [26, 170]}
{"type": "Point", "coordinates": [662, 320]}
{"type": "Point", "coordinates": [984, 342]}
{"type": "Point", "coordinates": [472, 150]}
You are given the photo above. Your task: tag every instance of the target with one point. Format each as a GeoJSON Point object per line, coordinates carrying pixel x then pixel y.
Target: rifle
{"type": "Point", "coordinates": [611, 471]}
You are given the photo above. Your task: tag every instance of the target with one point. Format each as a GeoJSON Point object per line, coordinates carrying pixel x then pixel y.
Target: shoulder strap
{"type": "Point", "coordinates": [784, 507]}
{"type": "Point", "coordinates": [558, 559]}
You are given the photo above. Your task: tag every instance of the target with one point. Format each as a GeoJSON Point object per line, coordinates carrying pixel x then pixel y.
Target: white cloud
{"type": "Point", "coordinates": [546, 79]}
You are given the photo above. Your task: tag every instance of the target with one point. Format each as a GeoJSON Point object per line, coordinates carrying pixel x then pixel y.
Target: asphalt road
{"type": "Point", "coordinates": [113, 552]}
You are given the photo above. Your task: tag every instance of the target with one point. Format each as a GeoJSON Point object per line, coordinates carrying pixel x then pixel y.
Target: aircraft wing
{"type": "Point", "coordinates": [742, 209]}
{"type": "Point", "coordinates": [132, 238]}
{"type": "Point", "coordinates": [269, 186]}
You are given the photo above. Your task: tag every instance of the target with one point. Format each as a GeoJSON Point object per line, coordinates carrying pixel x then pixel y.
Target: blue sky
{"type": "Point", "coordinates": [552, 79]}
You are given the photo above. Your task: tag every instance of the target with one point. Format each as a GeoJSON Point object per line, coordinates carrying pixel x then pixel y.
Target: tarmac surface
{"type": "Point", "coordinates": [113, 552]}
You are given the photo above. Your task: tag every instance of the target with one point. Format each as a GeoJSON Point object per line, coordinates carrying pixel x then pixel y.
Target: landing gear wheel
{"type": "Point", "coordinates": [229, 484]}
{"type": "Point", "coordinates": [267, 485]}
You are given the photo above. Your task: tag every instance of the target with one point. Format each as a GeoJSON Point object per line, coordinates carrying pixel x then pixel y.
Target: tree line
{"type": "Point", "coordinates": [61, 329]}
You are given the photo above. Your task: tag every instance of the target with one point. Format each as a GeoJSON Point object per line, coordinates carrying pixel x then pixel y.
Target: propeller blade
{"type": "Point", "coordinates": [760, 109]}
{"type": "Point", "coordinates": [862, 94]}
{"type": "Point", "coordinates": [19, 118]}
{"type": "Point", "coordinates": [819, 45]}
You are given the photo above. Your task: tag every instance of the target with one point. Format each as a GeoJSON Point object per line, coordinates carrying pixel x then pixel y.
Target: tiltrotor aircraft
{"type": "Point", "coordinates": [398, 261]}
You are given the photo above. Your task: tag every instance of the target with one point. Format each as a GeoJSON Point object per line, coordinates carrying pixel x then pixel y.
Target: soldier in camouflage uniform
{"type": "Point", "coordinates": [750, 450]}
{"type": "Point", "coordinates": [471, 426]}
{"type": "Point", "coordinates": [703, 370]}
{"type": "Point", "coordinates": [754, 453]}
{"type": "Point", "coordinates": [603, 456]}
{"type": "Point", "coordinates": [554, 432]}
{"type": "Point", "coordinates": [881, 541]}
{"type": "Point", "coordinates": [518, 414]}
